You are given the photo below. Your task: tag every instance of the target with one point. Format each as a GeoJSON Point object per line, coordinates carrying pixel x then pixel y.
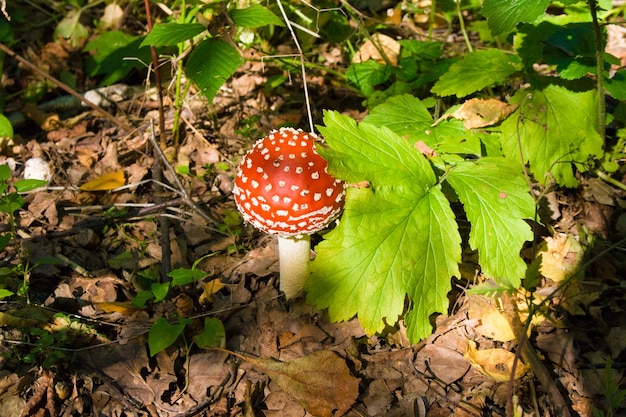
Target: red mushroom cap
{"type": "Point", "coordinates": [282, 186]}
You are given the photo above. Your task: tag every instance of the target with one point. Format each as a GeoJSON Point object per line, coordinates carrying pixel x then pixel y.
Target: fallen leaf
{"type": "Point", "coordinates": [321, 382]}
{"type": "Point", "coordinates": [560, 257]}
{"type": "Point", "coordinates": [211, 288]}
{"type": "Point", "coordinates": [491, 322]}
{"type": "Point", "coordinates": [117, 307]}
{"type": "Point", "coordinates": [106, 182]}
{"type": "Point", "coordinates": [496, 363]}
{"type": "Point", "coordinates": [483, 112]}
{"type": "Point", "coordinates": [380, 48]}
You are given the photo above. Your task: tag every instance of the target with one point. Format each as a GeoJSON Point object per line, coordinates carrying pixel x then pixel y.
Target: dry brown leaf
{"type": "Point", "coordinates": [560, 256]}
{"type": "Point", "coordinates": [496, 363]}
{"type": "Point", "coordinates": [377, 46]}
{"type": "Point", "coordinates": [321, 382]}
{"type": "Point", "coordinates": [478, 112]}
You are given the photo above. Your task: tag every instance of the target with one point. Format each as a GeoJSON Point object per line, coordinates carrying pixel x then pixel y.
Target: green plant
{"type": "Point", "coordinates": [399, 239]}
{"type": "Point", "coordinates": [615, 397]}
{"type": "Point", "coordinates": [164, 332]}
{"type": "Point", "coordinates": [10, 202]}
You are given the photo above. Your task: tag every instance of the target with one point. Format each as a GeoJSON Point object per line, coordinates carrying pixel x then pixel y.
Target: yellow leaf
{"type": "Point", "coordinates": [106, 182]}
{"type": "Point", "coordinates": [117, 307]}
{"type": "Point", "coordinates": [491, 322]}
{"type": "Point", "coordinates": [560, 257]}
{"type": "Point", "coordinates": [496, 363]}
{"type": "Point", "coordinates": [211, 288]}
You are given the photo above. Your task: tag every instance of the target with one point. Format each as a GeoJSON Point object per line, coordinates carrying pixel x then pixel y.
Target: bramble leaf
{"type": "Point", "coordinates": [170, 34]}
{"type": "Point", "coordinates": [397, 238]}
{"type": "Point", "coordinates": [407, 116]}
{"type": "Point", "coordinates": [503, 15]}
{"type": "Point", "coordinates": [556, 128]}
{"type": "Point", "coordinates": [255, 16]}
{"type": "Point", "coordinates": [476, 71]}
{"type": "Point", "coordinates": [496, 200]}
{"type": "Point", "coordinates": [211, 63]}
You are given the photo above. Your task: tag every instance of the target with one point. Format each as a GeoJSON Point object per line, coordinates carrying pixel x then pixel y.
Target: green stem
{"type": "Point", "coordinates": [459, 13]}
{"type": "Point", "coordinates": [593, 8]}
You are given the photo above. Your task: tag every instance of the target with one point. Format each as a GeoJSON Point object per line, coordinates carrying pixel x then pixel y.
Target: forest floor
{"type": "Point", "coordinates": [108, 244]}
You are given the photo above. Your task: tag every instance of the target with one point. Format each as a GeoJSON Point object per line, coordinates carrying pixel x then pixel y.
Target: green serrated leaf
{"type": "Point", "coordinates": [504, 15]}
{"type": "Point", "coordinates": [367, 75]}
{"type": "Point", "coordinates": [477, 70]}
{"type": "Point", "coordinates": [162, 334]}
{"type": "Point", "coordinates": [496, 200]}
{"type": "Point", "coordinates": [213, 334]}
{"type": "Point", "coordinates": [405, 115]}
{"type": "Point", "coordinates": [211, 64]}
{"type": "Point", "coordinates": [255, 16]}
{"type": "Point", "coordinates": [170, 34]}
{"type": "Point", "coordinates": [395, 239]}
{"type": "Point", "coordinates": [556, 128]}
{"type": "Point", "coordinates": [408, 117]}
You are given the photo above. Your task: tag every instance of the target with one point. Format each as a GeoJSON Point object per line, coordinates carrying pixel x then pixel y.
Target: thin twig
{"type": "Point", "coordinates": [593, 8]}
{"type": "Point", "coordinates": [186, 198]}
{"type": "Point", "coordinates": [67, 89]}
{"type": "Point", "coordinates": [302, 66]}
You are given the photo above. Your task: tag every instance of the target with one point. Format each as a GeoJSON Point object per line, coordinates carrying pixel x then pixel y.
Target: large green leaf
{"type": "Point", "coordinates": [255, 16]}
{"type": "Point", "coordinates": [556, 128]}
{"type": "Point", "coordinates": [407, 116]}
{"type": "Point", "coordinates": [170, 34]}
{"type": "Point", "coordinates": [476, 71]}
{"type": "Point", "coordinates": [116, 54]}
{"type": "Point", "coordinates": [162, 334]}
{"type": "Point", "coordinates": [496, 200]}
{"type": "Point", "coordinates": [397, 238]}
{"type": "Point", "coordinates": [211, 64]}
{"type": "Point", "coordinates": [503, 15]}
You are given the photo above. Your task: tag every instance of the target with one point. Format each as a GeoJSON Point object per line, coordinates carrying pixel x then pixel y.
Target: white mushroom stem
{"type": "Point", "coordinates": [294, 256]}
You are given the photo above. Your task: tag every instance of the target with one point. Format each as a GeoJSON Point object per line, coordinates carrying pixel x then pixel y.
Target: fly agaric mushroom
{"type": "Point", "coordinates": [282, 188]}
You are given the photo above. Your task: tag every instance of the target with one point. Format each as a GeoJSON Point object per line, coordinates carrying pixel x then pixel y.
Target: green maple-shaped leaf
{"type": "Point", "coordinates": [477, 70]}
{"type": "Point", "coordinates": [396, 238]}
{"type": "Point", "coordinates": [556, 128]}
{"type": "Point", "coordinates": [503, 15]}
{"type": "Point", "coordinates": [496, 200]}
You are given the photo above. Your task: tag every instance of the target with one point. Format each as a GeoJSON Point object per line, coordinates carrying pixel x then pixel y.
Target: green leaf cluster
{"type": "Point", "coordinates": [399, 239]}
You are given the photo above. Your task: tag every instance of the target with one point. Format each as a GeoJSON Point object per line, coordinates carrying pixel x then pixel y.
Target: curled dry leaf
{"type": "Point", "coordinates": [483, 112]}
{"type": "Point", "coordinates": [496, 363]}
{"type": "Point", "coordinates": [321, 382]}
{"type": "Point", "coordinates": [491, 322]}
{"type": "Point", "coordinates": [560, 257]}
{"type": "Point", "coordinates": [380, 48]}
